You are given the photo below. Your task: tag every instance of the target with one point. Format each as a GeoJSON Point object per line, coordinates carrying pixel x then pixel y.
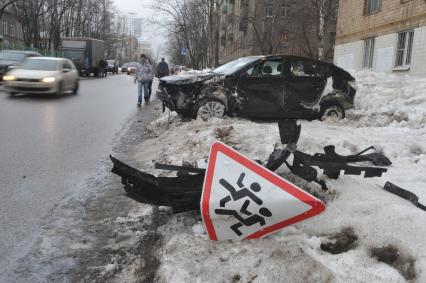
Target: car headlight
{"type": "Point", "coordinates": [48, 80]}
{"type": "Point", "coordinates": [353, 85]}
{"type": "Point", "coordinates": [9, 78]}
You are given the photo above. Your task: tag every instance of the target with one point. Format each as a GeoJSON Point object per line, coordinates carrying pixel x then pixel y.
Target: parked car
{"type": "Point", "coordinates": [13, 59]}
{"type": "Point", "coordinates": [131, 68]}
{"type": "Point", "coordinates": [262, 87]}
{"type": "Point", "coordinates": [112, 66]}
{"type": "Point", "coordinates": [124, 68]}
{"type": "Point", "coordinates": [44, 75]}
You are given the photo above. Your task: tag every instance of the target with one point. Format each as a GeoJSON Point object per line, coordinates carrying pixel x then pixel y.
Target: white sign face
{"type": "Point", "coordinates": [242, 199]}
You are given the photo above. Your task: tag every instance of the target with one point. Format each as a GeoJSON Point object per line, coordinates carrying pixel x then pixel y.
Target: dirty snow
{"type": "Point", "coordinates": [390, 114]}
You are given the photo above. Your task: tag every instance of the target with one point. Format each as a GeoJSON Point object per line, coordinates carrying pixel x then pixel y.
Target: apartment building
{"type": "Point", "coordinates": [10, 31]}
{"type": "Point", "coordinates": [289, 27]}
{"type": "Point", "coordinates": [382, 35]}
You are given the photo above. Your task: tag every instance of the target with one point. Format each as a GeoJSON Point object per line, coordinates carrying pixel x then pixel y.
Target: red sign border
{"type": "Point", "coordinates": [317, 205]}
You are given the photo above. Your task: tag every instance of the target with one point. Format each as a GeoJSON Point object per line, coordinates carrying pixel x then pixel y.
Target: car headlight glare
{"type": "Point", "coordinates": [9, 78]}
{"type": "Point", "coordinates": [48, 80]}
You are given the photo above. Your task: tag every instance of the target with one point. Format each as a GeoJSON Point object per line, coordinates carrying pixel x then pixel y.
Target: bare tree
{"type": "Point", "coordinates": [188, 27]}
{"type": "Point", "coordinates": [325, 12]}
{"type": "Point", "coordinates": [4, 4]}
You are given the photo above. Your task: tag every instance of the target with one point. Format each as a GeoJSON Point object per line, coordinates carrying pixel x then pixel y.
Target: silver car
{"type": "Point", "coordinates": [43, 75]}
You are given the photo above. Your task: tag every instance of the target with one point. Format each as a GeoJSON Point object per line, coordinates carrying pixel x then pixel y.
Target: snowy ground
{"type": "Point", "coordinates": [365, 235]}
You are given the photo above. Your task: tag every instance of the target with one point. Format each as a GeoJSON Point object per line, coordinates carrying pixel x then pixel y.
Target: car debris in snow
{"type": "Point", "coordinates": [329, 161]}
{"type": "Point", "coordinates": [262, 87]}
{"type": "Point", "coordinates": [411, 197]}
{"type": "Point", "coordinates": [183, 192]}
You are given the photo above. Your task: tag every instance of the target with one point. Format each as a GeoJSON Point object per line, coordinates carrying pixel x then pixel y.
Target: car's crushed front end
{"type": "Point", "coordinates": [180, 93]}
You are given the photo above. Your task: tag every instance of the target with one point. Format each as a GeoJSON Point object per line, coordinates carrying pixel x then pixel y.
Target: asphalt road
{"type": "Point", "coordinates": [50, 146]}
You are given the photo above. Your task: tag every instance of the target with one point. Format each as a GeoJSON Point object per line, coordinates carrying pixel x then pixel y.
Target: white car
{"type": "Point", "coordinates": [43, 75]}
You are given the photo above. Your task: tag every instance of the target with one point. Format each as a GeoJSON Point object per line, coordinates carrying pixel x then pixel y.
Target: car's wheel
{"type": "Point", "coordinates": [75, 88]}
{"type": "Point", "coordinates": [332, 111]}
{"type": "Point", "coordinates": [209, 108]}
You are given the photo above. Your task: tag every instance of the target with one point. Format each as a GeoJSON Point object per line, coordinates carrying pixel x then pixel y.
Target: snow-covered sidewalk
{"type": "Point", "coordinates": [365, 235]}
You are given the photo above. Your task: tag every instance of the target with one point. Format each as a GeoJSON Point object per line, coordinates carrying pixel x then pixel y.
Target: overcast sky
{"type": "Point", "coordinates": [141, 8]}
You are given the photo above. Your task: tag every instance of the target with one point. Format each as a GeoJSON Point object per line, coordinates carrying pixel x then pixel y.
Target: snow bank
{"type": "Point", "coordinates": [388, 100]}
{"type": "Point", "coordinates": [361, 218]}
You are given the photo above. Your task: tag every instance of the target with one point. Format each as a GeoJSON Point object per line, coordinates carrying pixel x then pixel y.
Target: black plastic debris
{"type": "Point", "coordinates": [332, 163]}
{"type": "Point", "coordinates": [181, 193]}
{"type": "Point", "coordinates": [411, 197]}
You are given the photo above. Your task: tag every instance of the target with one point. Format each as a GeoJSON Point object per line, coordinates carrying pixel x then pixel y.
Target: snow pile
{"type": "Point", "coordinates": [365, 235]}
{"type": "Point", "coordinates": [386, 99]}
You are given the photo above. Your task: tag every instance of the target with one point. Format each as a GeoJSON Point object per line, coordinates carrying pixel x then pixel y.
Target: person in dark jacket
{"type": "Point", "coordinates": [162, 69]}
{"type": "Point", "coordinates": [103, 68]}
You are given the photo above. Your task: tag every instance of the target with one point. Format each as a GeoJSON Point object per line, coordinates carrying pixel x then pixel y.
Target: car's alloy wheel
{"type": "Point", "coordinates": [334, 112]}
{"type": "Point", "coordinates": [211, 109]}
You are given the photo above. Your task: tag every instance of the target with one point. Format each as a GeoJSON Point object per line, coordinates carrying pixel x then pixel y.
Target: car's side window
{"type": "Point", "coordinates": [267, 68]}
{"type": "Point", "coordinates": [306, 68]}
{"type": "Point", "coordinates": [67, 66]}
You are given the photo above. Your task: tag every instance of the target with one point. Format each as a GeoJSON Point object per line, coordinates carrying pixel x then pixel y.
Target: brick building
{"type": "Point", "coordinates": [289, 27]}
{"type": "Point", "coordinates": [382, 35]}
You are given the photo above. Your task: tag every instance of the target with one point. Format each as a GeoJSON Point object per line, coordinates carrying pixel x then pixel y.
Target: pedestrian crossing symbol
{"type": "Point", "coordinates": [244, 200]}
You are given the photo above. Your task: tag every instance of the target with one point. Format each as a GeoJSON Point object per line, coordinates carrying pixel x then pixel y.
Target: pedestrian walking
{"type": "Point", "coordinates": [163, 69]}
{"type": "Point", "coordinates": [142, 76]}
{"type": "Point", "coordinates": [102, 68]}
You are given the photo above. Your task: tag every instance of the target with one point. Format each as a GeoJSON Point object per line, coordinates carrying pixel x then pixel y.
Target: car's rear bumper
{"type": "Point", "coordinates": [30, 87]}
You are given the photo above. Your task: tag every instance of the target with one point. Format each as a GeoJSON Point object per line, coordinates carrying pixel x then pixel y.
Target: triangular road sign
{"type": "Point", "coordinates": [244, 200]}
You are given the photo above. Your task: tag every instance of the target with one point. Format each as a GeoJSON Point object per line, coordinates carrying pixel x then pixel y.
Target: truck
{"type": "Point", "coordinates": [86, 53]}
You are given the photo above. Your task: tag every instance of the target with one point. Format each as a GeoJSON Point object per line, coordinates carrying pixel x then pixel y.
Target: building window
{"type": "Point", "coordinates": [284, 11]}
{"type": "Point", "coordinates": [368, 53]}
{"type": "Point", "coordinates": [269, 10]}
{"type": "Point", "coordinates": [404, 48]}
{"type": "Point", "coordinates": [4, 27]}
{"type": "Point", "coordinates": [372, 6]}
{"type": "Point", "coordinates": [11, 30]}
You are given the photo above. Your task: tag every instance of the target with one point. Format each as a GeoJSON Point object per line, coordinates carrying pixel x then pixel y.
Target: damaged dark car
{"type": "Point", "coordinates": [262, 87]}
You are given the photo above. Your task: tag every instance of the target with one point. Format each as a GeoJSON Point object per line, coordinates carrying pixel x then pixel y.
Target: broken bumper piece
{"type": "Point", "coordinates": [181, 193]}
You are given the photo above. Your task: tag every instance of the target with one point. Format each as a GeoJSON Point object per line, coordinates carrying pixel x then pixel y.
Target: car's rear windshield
{"type": "Point", "coordinates": [41, 65]}
{"type": "Point", "coordinates": [235, 65]}
{"type": "Point", "coordinates": [12, 56]}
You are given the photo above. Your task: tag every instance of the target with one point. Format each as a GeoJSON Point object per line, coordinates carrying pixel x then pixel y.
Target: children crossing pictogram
{"type": "Point", "coordinates": [242, 199]}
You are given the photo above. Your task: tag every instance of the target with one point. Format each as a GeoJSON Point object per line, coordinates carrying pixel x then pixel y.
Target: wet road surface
{"type": "Point", "coordinates": [49, 146]}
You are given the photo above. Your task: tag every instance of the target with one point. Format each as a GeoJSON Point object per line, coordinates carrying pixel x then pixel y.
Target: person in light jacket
{"type": "Point", "coordinates": [142, 76]}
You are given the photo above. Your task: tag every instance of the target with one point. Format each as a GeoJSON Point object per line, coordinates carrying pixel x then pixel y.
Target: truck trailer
{"type": "Point", "coordinates": [86, 53]}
